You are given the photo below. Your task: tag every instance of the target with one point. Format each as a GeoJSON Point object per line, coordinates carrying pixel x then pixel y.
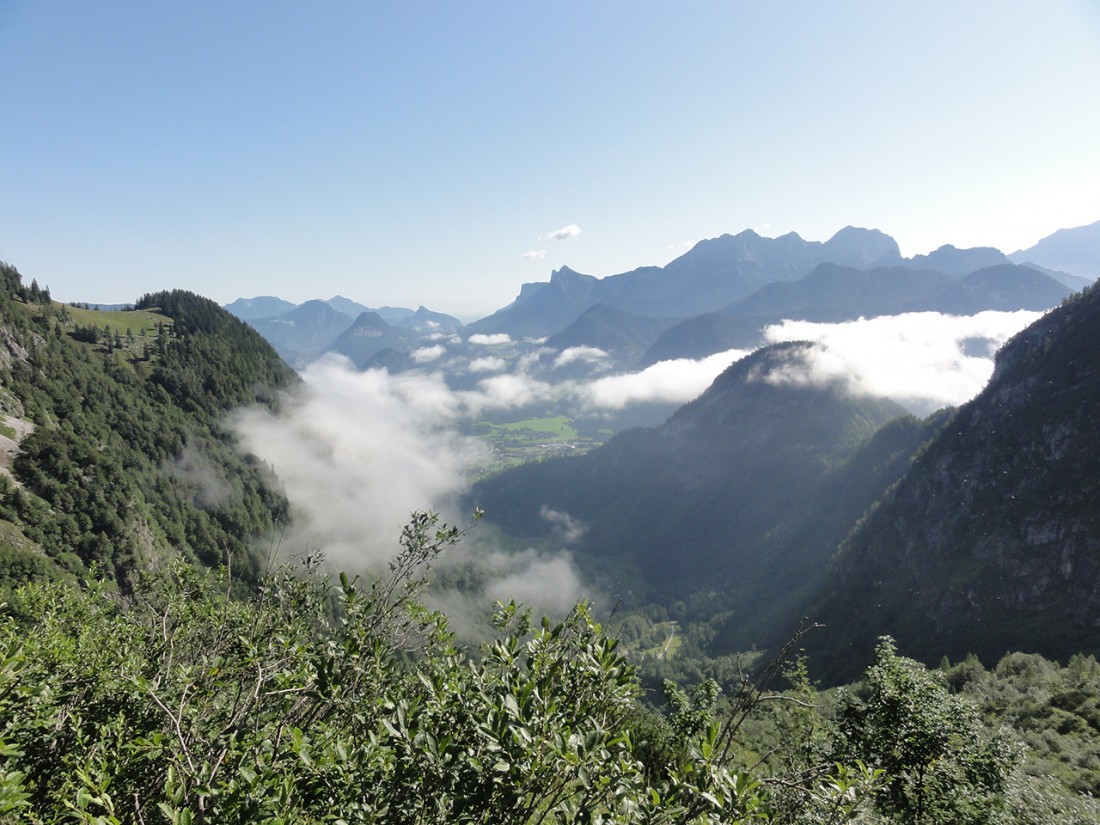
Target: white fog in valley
{"type": "Point", "coordinates": [357, 452]}
{"type": "Point", "coordinates": [922, 360]}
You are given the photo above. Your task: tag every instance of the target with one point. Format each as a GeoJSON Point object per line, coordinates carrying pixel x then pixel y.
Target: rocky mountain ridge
{"type": "Point", "coordinates": [993, 536]}
{"type": "Point", "coordinates": [758, 280]}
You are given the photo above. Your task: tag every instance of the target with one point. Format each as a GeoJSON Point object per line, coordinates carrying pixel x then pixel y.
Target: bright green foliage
{"type": "Point", "coordinates": [941, 766]}
{"type": "Point", "coordinates": [1054, 710]}
{"type": "Point", "coordinates": [321, 702]}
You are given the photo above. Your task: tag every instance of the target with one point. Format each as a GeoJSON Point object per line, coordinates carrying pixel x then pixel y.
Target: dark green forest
{"type": "Point", "coordinates": [157, 667]}
{"type": "Point", "coordinates": [127, 462]}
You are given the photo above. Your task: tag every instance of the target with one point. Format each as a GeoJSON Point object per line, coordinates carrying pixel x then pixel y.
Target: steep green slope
{"type": "Point", "coordinates": [123, 458]}
{"type": "Point", "coordinates": [992, 540]}
{"type": "Point", "coordinates": [795, 559]}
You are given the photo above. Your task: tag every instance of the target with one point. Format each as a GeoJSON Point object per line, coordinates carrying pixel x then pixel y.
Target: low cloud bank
{"type": "Point", "coordinates": [357, 452]}
{"type": "Point", "coordinates": [922, 360]}
{"type": "Point", "coordinates": [675, 382]}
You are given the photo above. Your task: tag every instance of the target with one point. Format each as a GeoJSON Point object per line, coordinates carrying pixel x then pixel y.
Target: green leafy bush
{"type": "Point", "coordinates": [317, 701]}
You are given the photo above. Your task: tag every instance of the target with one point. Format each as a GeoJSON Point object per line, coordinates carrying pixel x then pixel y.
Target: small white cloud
{"type": "Point", "coordinates": [502, 392]}
{"type": "Point", "coordinates": [675, 382]}
{"type": "Point", "coordinates": [535, 254]}
{"type": "Point", "coordinates": [488, 364]}
{"type": "Point", "coordinates": [682, 246]}
{"type": "Point", "coordinates": [547, 584]}
{"type": "Point", "coordinates": [533, 360]}
{"type": "Point", "coordinates": [568, 529]}
{"type": "Point", "coordinates": [482, 340]}
{"type": "Point", "coordinates": [570, 231]}
{"type": "Point", "coordinates": [588, 355]}
{"type": "Point", "coordinates": [426, 355]}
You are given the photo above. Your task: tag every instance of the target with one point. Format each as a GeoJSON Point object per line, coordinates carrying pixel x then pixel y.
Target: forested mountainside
{"type": "Point", "coordinates": [115, 455]}
{"type": "Point", "coordinates": [975, 531]}
{"type": "Point", "coordinates": [708, 498]}
{"type": "Point", "coordinates": [991, 542]}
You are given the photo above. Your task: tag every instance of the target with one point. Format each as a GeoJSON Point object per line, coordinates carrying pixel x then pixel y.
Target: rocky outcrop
{"type": "Point", "coordinates": [991, 542]}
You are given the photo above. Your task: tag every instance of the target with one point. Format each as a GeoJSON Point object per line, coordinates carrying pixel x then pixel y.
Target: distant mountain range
{"type": "Point", "coordinates": [714, 273]}
{"type": "Point", "coordinates": [302, 332]}
{"type": "Point", "coordinates": [717, 296]}
{"type": "Point", "coordinates": [740, 275]}
{"type": "Point", "coordinates": [1076, 251]}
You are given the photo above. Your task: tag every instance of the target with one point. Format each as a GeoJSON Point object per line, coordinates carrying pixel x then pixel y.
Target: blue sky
{"type": "Point", "coordinates": [426, 153]}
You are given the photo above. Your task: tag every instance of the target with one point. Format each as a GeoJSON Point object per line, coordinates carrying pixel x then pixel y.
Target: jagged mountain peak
{"type": "Point", "coordinates": [370, 319]}
{"type": "Point", "coordinates": [566, 273]}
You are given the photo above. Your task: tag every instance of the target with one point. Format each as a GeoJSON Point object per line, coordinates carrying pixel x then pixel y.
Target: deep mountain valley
{"type": "Point", "coordinates": [784, 571]}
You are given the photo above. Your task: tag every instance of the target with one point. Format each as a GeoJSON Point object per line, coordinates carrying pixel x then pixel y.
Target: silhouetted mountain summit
{"type": "Point", "coordinates": [1076, 251]}
{"type": "Point", "coordinates": [427, 322]}
{"type": "Point", "coordinates": [712, 274]}
{"type": "Point", "coordinates": [368, 336]}
{"type": "Point", "coordinates": [298, 335]}
{"type": "Point", "coordinates": [1004, 287]}
{"type": "Point", "coordinates": [832, 292]}
{"type": "Point", "coordinates": [262, 306]}
{"type": "Point", "coordinates": [958, 262]}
